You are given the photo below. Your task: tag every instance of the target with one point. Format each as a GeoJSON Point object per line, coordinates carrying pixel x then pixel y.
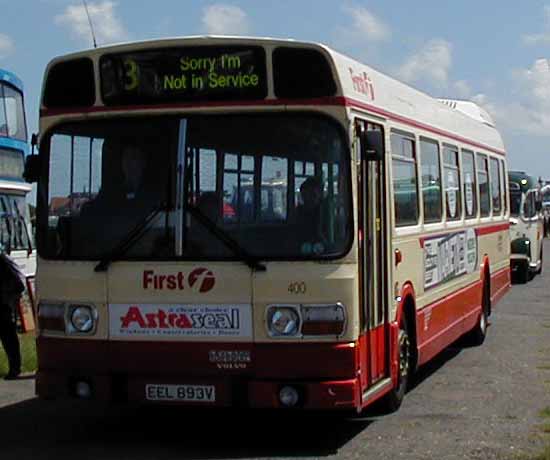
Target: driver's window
{"type": "Point", "coordinates": [529, 210]}
{"type": "Point", "coordinates": [5, 225]}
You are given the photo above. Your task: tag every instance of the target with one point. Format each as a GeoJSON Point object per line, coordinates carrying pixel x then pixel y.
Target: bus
{"type": "Point", "coordinates": [255, 222]}
{"type": "Point", "coordinates": [545, 191]}
{"type": "Point", "coordinates": [526, 225]}
{"type": "Point", "coordinates": [15, 226]}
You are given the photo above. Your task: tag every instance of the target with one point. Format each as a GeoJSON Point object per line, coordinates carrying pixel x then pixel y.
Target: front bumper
{"type": "Point", "coordinates": [230, 392]}
{"type": "Point", "coordinates": [325, 375]}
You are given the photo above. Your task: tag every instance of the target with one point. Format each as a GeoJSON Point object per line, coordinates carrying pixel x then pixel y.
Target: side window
{"type": "Point", "coordinates": [504, 186]}
{"type": "Point", "coordinates": [529, 210]}
{"type": "Point", "coordinates": [302, 170]}
{"type": "Point", "coordinates": [3, 115]}
{"type": "Point", "coordinates": [495, 187]}
{"type": "Point", "coordinates": [5, 225]}
{"type": "Point", "coordinates": [469, 178]}
{"type": "Point", "coordinates": [431, 180]}
{"type": "Point", "coordinates": [15, 114]}
{"type": "Point", "coordinates": [21, 237]}
{"type": "Point", "coordinates": [483, 181]}
{"type": "Point", "coordinates": [238, 188]}
{"type": "Point", "coordinates": [274, 186]}
{"type": "Point", "coordinates": [405, 195]}
{"type": "Point", "coordinates": [451, 181]}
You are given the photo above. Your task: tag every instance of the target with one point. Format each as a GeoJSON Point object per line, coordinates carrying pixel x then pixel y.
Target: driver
{"type": "Point", "coordinates": [309, 213]}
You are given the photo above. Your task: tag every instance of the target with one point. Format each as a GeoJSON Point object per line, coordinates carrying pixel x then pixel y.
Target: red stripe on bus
{"type": "Point", "coordinates": [416, 124]}
{"type": "Point", "coordinates": [500, 284]}
{"type": "Point", "coordinates": [445, 320]}
{"type": "Point", "coordinates": [492, 229]}
{"type": "Point", "coordinates": [479, 232]}
{"type": "Point", "coordinates": [328, 101]}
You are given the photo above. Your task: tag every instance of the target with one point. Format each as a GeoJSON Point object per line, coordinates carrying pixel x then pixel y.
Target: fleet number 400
{"type": "Point", "coordinates": [297, 287]}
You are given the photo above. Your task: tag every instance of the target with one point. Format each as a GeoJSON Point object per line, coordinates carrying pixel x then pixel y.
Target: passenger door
{"type": "Point", "coordinates": [373, 264]}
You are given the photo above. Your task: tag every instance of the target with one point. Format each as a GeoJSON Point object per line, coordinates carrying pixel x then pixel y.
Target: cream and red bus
{"type": "Point", "coordinates": [257, 222]}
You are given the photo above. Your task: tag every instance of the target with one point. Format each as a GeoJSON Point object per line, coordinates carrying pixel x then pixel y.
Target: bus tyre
{"type": "Point", "coordinates": [522, 274]}
{"type": "Point", "coordinates": [479, 332]}
{"type": "Point", "coordinates": [396, 395]}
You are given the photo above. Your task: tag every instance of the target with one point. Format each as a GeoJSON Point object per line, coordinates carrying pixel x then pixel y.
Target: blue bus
{"type": "Point", "coordinates": [15, 226]}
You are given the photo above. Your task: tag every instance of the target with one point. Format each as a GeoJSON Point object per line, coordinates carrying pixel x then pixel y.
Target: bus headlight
{"type": "Point", "coordinates": [82, 319]}
{"type": "Point", "coordinates": [283, 321]}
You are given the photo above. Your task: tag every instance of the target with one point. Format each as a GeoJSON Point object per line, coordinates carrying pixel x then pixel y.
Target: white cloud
{"type": "Point", "coordinates": [365, 25]}
{"type": "Point", "coordinates": [107, 27]}
{"type": "Point", "coordinates": [221, 19]}
{"type": "Point", "coordinates": [6, 46]}
{"type": "Point", "coordinates": [431, 63]}
{"type": "Point", "coordinates": [462, 89]}
{"type": "Point", "coordinates": [544, 37]}
{"type": "Point", "coordinates": [529, 112]}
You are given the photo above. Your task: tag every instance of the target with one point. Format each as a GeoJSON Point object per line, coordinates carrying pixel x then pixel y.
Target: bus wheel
{"type": "Point", "coordinates": [396, 395]}
{"type": "Point", "coordinates": [522, 274]}
{"type": "Point", "coordinates": [479, 332]}
{"type": "Point", "coordinates": [539, 270]}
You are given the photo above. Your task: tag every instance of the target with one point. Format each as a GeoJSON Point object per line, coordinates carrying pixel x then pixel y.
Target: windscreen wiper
{"type": "Point", "coordinates": [130, 239]}
{"type": "Point", "coordinates": [226, 239]}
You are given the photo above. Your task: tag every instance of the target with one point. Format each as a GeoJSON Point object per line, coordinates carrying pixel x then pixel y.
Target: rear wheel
{"type": "Point", "coordinates": [397, 394]}
{"type": "Point", "coordinates": [479, 332]}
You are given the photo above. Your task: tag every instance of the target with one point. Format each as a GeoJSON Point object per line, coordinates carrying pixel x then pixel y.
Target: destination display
{"type": "Point", "coordinates": [183, 74]}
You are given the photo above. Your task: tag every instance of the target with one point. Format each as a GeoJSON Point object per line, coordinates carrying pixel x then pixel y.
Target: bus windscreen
{"type": "Point", "coordinates": [11, 164]}
{"type": "Point", "coordinates": [184, 74]}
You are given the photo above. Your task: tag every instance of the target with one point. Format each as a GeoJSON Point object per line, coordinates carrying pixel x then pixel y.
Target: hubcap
{"type": "Point", "coordinates": [404, 354]}
{"type": "Point", "coordinates": [483, 322]}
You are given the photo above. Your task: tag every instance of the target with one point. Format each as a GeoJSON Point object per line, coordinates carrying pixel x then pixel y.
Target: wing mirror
{"type": "Point", "coordinates": [372, 143]}
{"type": "Point", "coordinates": [33, 164]}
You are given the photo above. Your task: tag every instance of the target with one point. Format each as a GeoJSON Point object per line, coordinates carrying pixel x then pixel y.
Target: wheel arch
{"type": "Point", "coordinates": [485, 277]}
{"type": "Point", "coordinates": [407, 309]}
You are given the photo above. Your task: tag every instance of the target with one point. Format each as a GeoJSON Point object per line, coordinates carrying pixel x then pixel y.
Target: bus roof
{"type": "Point", "coordinates": [11, 78]}
{"type": "Point", "coordinates": [360, 87]}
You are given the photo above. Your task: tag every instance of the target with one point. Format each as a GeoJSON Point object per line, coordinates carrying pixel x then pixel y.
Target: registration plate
{"type": "Point", "coordinates": [189, 393]}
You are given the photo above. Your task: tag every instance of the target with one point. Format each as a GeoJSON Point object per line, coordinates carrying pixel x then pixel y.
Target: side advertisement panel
{"type": "Point", "coordinates": [449, 256]}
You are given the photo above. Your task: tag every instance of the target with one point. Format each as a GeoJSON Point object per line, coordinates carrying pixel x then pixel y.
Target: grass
{"type": "Point", "coordinates": [545, 429]}
{"type": "Point", "coordinates": [28, 354]}
{"type": "Point", "coordinates": [544, 367]}
{"type": "Point", "coordinates": [544, 455]}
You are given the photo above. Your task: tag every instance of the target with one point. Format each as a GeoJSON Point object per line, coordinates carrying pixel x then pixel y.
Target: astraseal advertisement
{"type": "Point", "coordinates": [449, 256]}
{"type": "Point", "coordinates": [177, 321]}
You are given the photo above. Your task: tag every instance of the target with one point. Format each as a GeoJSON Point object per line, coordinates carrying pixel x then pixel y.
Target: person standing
{"type": "Point", "coordinates": [11, 288]}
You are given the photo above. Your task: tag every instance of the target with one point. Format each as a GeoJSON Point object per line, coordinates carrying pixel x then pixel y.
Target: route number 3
{"type": "Point", "coordinates": [297, 287]}
{"type": "Point", "coordinates": [131, 75]}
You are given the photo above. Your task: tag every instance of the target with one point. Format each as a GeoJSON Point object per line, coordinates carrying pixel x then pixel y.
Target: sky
{"type": "Point", "coordinates": [494, 52]}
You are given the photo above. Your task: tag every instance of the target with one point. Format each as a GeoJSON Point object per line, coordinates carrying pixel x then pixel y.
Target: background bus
{"type": "Point", "coordinates": [16, 233]}
{"type": "Point", "coordinates": [527, 225]}
{"type": "Point", "coordinates": [545, 191]}
{"type": "Point", "coordinates": [257, 222]}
